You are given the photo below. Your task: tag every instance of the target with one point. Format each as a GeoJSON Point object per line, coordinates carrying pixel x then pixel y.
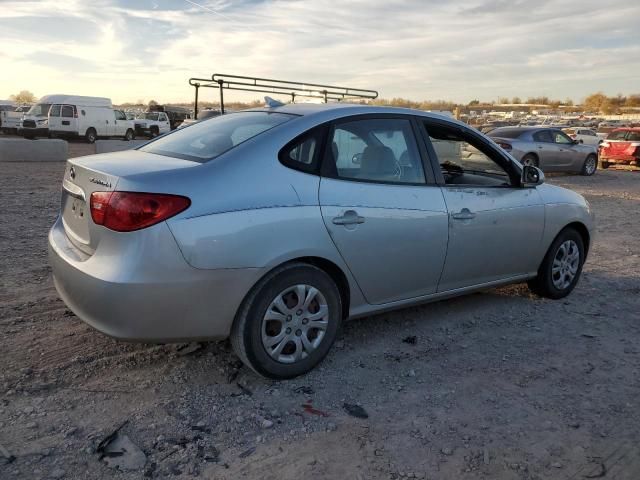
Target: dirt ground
{"type": "Point", "coordinates": [496, 385]}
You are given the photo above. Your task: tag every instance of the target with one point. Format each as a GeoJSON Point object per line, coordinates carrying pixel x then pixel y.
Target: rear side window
{"type": "Point", "coordinates": [506, 132]}
{"type": "Point", "coordinates": [67, 111]}
{"type": "Point", "coordinates": [303, 153]}
{"type": "Point", "coordinates": [209, 139]}
{"type": "Point", "coordinates": [543, 136]}
{"type": "Point", "coordinates": [634, 136]}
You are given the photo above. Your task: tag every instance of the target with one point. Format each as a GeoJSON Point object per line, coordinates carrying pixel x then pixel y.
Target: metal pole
{"type": "Point", "coordinates": [325, 97]}
{"type": "Point", "coordinates": [195, 108]}
{"type": "Point", "coordinates": [221, 97]}
{"type": "Point", "coordinates": [293, 97]}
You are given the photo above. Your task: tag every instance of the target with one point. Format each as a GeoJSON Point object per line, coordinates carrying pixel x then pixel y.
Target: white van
{"type": "Point", "coordinates": [79, 116]}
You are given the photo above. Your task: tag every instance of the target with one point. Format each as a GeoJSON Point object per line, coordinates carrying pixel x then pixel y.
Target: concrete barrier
{"type": "Point", "coordinates": [23, 150]}
{"type": "Point", "coordinates": [106, 146]}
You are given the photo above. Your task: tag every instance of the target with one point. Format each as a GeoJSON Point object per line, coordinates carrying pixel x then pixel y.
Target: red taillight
{"type": "Point", "coordinates": [128, 211]}
{"type": "Point", "coordinates": [505, 146]}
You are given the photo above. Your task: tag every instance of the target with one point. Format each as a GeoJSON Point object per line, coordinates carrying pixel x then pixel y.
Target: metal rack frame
{"type": "Point", "coordinates": [223, 81]}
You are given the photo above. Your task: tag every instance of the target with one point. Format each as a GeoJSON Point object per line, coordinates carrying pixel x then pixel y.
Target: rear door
{"type": "Point", "coordinates": [495, 226]}
{"type": "Point", "coordinates": [387, 218]}
{"type": "Point", "coordinates": [546, 150]}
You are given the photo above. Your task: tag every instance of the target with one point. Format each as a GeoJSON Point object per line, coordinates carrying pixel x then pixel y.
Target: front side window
{"type": "Point", "coordinates": [560, 137]}
{"type": "Point", "coordinates": [209, 139]}
{"type": "Point", "coordinates": [54, 111]}
{"type": "Point", "coordinates": [376, 150]}
{"type": "Point", "coordinates": [67, 111]}
{"type": "Point", "coordinates": [465, 160]}
{"type": "Point", "coordinates": [120, 115]}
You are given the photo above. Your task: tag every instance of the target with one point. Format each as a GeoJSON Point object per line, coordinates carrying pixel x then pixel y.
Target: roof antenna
{"type": "Point", "coordinates": [272, 103]}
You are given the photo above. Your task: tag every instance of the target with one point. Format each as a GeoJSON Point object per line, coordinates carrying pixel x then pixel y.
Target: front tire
{"type": "Point", "coordinates": [590, 166]}
{"type": "Point", "coordinates": [154, 132]}
{"type": "Point", "coordinates": [129, 135]}
{"type": "Point", "coordinates": [288, 322]}
{"type": "Point", "coordinates": [561, 268]}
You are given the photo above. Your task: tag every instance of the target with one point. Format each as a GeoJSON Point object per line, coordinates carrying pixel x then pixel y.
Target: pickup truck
{"type": "Point", "coordinates": [10, 120]}
{"type": "Point", "coordinates": [152, 124]}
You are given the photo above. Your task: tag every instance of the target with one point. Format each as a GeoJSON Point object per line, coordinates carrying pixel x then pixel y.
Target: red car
{"type": "Point", "coordinates": [622, 145]}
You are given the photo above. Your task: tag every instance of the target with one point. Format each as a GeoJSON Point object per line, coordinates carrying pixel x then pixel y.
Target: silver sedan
{"type": "Point", "coordinates": [272, 226]}
{"type": "Point", "coordinates": [550, 149]}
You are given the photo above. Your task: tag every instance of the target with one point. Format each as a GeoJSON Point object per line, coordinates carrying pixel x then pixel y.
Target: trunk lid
{"type": "Point", "coordinates": [85, 175]}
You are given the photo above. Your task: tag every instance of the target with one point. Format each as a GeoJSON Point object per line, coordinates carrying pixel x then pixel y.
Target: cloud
{"type": "Point", "coordinates": [410, 48]}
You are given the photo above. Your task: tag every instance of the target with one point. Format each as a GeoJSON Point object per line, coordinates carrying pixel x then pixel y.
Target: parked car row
{"type": "Point", "coordinates": [89, 118]}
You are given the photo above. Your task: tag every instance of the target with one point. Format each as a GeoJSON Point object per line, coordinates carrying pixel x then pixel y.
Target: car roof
{"type": "Point", "coordinates": [346, 109]}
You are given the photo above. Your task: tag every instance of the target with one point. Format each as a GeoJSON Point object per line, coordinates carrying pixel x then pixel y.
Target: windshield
{"type": "Point", "coordinates": [39, 110]}
{"type": "Point", "coordinates": [209, 139]}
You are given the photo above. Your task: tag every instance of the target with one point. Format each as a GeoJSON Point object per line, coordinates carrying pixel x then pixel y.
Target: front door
{"type": "Point", "coordinates": [388, 223]}
{"type": "Point", "coordinates": [495, 226]}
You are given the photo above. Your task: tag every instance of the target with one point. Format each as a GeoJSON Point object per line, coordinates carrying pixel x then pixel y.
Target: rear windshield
{"type": "Point", "coordinates": [506, 132]}
{"type": "Point", "coordinates": [209, 139]}
{"type": "Point", "coordinates": [617, 135]}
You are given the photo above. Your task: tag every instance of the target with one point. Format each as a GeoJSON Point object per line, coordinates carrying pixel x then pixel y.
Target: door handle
{"type": "Point", "coordinates": [464, 214]}
{"type": "Point", "coordinates": [350, 217]}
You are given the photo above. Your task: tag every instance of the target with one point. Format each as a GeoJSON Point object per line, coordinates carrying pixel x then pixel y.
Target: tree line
{"type": "Point", "coordinates": [594, 103]}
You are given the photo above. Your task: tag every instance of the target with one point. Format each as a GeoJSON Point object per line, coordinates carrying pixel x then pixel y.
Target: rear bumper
{"type": "Point", "coordinates": [146, 292]}
{"type": "Point", "coordinates": [625, 159]}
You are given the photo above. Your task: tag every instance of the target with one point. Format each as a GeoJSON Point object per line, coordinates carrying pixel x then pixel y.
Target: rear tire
{"type": "Point", "coordinates": [91, 136]}
{"type": "Point", "coordinates": [603, 164]}
{"type": "Point", "coordinates": [275, 310]}
{"type": "Point", "coordinates": [529, 159]}
{"type": "Point", "coordinates": [590, 166]}
{"type": "Point", "coordinates": [129, 135]}
{"type": "Point", "coordinates": [561, 267]}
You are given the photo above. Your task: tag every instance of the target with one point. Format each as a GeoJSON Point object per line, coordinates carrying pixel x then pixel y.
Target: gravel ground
{"type": "Point", "coordinates": [496, 385]}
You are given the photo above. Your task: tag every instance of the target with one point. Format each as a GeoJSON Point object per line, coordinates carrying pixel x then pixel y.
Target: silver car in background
{"type": "Point", "coordinates": [550, 149]}
{"type": "Point", "coordinates": [272, 226]}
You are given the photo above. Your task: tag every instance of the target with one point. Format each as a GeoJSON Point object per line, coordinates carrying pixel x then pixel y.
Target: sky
{"type": "Point", "coordinates": [132, 50]}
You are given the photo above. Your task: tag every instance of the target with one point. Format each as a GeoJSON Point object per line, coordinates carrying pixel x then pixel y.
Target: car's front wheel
{"type": "Point", "coordinates": [288, 322]}
{"type": "Point", "coordinates": [590, 165]}
{"type": "Point", "coordinates": [562, 265]}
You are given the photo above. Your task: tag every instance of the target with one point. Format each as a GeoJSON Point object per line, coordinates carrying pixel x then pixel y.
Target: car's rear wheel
{"type": "Point", "coordinates": [288, 322]}
{"type": "Point", "coordinates": [529, 159]}
{"type": "Point", "coordinates": [590, 166]}
{"type": "Point", "coordinates": [604, 164]}
{"type": "Point", "coordinates": [91, 135]}
{"type": "Point", "coordinates": [562, 265]}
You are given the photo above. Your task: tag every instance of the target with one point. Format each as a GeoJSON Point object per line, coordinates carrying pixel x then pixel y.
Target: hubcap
{"type": "Point", "coordinates": [295, 323]}
{"type": "Point", "coordinates": [590, 167]}
{"type": "Point", "coordinates": [565, 265]}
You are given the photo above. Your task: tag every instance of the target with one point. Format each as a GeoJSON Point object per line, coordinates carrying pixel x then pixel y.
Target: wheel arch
{"type": "Point", "coordinates": [327, 266]}
{"type": "Point", "coordinates": [582, 229]}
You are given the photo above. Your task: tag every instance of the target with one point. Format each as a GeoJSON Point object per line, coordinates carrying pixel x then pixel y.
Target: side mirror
{"type": "Point", "coordinates": [531, 176]}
